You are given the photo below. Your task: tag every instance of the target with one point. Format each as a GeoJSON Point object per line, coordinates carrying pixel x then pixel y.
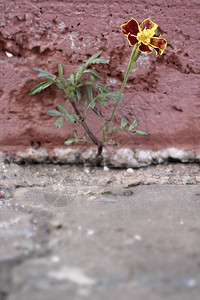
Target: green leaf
{"type": "Point", "coordinates": [101, 98]}
{"type": "Point", "coordinates": [84, 137]}
{"type": "Point", "coordinates": [85, 102]}
{"type": "Point", "coordinates": [80, 72]}
{"type": "Point", "coordinates": [141, 132]}
{"type": "Point", "coordinates": [123, 122]}
{"type": "Point", "coordinates": [45, 73]}
{"type": "Point", "coordinates": [53, 113]}
{"type": "Point", "coordinates": [61, 84]}
{"type": "Point", "coordinates": [93, 72]}
{"type": "Point", "coordinates": [69, 141]}
{"type": "Point", "coordinates": [90, 93]}
{"type": "Point", "coordinates": [78, 93]}
{"type": "Point", "coordinates": [60, 70]}
{"type": "Point", "coordinates": [40, 87]}
{"type": "Point", "coordinates": [59, 122]}
{"type": "Point", "coordinates": [102, 88]}
{"type": "Point", "coordinates": [114, 95]}
{"type": "Point", "coordinates": [75, 135]}
{"type": "Point", "coordinates": [72, 78]}
{"type": "Point", "coordinates": [134, 124]}
{"type": "Point", "coordinates": [67, 116]}
{"type": "Point", "coordinates": [92, 78]}
{"type": "Point", "coordinates": [94, 56]}
{"type": "Point", "coordinates": [100, 61]}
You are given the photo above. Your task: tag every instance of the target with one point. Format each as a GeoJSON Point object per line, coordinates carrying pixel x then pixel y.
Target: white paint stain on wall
{"type": "Point", "coordinates": [61, 25]}
{"type": "Point", "coordinates": [73, 38]}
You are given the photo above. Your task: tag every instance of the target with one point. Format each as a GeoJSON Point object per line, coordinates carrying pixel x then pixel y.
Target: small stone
{"type": "Point", "coordinates": [197, 178]}
{"type": "Point", "coordinates": [93, 231]}
{"type": "Point", "coordinates": [130, 170]}
{"type": "Point", "coordinates": [2, 157]}
{"type": "Point", "coordinates": [2, 195]}
{"type": "Point", "coordinates": [37, 246]}
{"type": "Point", "coordinates": [55, 258]}
{"type": "Point", "coordinates": [91, 198]}
{"type": "Point", "coordinates": [9, 54]}
{"type": "Point", "coordinates": [105, 168]}
{"type": "Point", "coordinates": [138, 237]}
{"type": "Point", "coordinates": [191, 282]}
{"type": "Point", "coordinates": [87, 171]}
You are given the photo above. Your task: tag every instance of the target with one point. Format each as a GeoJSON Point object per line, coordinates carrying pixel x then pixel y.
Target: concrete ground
{"type": "Point", "coordinates": [72, 232]}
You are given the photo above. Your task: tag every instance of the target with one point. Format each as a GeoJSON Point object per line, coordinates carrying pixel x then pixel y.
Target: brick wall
{"type": "Point", "coordinates": [162, 92]}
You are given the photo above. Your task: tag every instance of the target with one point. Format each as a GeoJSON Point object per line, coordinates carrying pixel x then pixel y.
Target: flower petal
{"type": "Point", "coordinates": [145, 48]}
{"type": "Point", "coordinates": [132, 39]}
{"type": "Point", "coordinates": [148, 24]}
{"type": "Point", "coordinates": [158, 43]}
{"type": "Point", "coordinates": [131, 27]}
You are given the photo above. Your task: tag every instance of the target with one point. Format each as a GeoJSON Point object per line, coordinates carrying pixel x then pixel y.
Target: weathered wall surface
{"type": "Point", "coordinates": [163, 93]}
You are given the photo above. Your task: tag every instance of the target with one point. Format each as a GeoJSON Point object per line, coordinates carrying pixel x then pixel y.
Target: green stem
{"type": "Point", "coordinates": [134, 57]}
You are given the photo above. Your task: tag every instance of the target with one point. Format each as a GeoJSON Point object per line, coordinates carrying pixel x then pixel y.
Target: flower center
{"type": "Point", "coordinates": [145, 35]}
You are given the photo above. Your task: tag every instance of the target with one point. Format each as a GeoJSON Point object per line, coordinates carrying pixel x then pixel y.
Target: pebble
{"type": "Point", "coordinates": [93, 231]}
{"type": "Point", "coordinates": [55, 258]}
{"type": "Point", "coordinates": [130, 170]}
{"type": "Point", "coordinates": [137, 237]}
{"type": "Point", "coordinates": [87, 171]}
{"type": "Point", "coordinates": [105, 168]}
{"type": "Point", "coordinates": [2, 195]}
{"type": "Point", "coordinates": [191, 282]}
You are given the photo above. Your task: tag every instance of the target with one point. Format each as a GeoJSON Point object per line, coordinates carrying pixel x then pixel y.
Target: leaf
{"type": "Point", "coordinates": [90, 93]}
{"type": "Point", "coordinates": [100, 61]}
{"type": "Point", "coordinates": [93, 72]}
{"type": "Point", "coordinates": [114, 95]}
{"type": "Point", "coordinates": [101, 98]}
{"type": "Point", "coordinates": [45, 73]}
{"type": "Point", "coordinates": [69, 141]}
{"type": "Point", "coordinates": [72, 78]}
{"type": "Point", "coordinates": [80, 72]}
{"type": "Point", "coordinates": [60, 82]}
{"type": "Point", "coordinates": [123, 122]}
{"type": "Point", "coordinates": [78, 93]}
{"type": "Point", "coordinates": [102, 88]}
{"type": "Point", "coordinates": [134, 124]}
{"type": "Point", "coordinates": [76, 118]}
{"type": "Point", "coordinates": [92, 79]}
{"type": "Point", "coordinates": [53, 113]}
{"type": "Point", "coordinates": [141, 132]}
{"type": "Point", "coordinates": [59, 122]}
{"type": "Point", "coordinates": [40, 87]}
{"type": "Point", "coordinates": [60, 70]}
{"type": "Point", "coordinates": [85, 102]}
{"type": "Point", "coordinates": [75, 135]}
{"type": "Point", "coordinates": [67, 116]}
{"type": "Point", "coordinates": [84, 137]}
{"type": "Point", "coordinates": [94, 56]}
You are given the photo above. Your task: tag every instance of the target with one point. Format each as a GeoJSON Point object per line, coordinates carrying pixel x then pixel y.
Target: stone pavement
{"type": "Point", "coordinates": [78, 233]}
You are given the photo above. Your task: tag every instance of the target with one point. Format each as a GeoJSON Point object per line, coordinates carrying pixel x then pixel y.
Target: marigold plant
{"type": "Point", "coordinates": [143, 40]}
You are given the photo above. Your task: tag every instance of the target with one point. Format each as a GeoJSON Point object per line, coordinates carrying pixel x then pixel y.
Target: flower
{"type": "Point", "coordinates": [144, 36]}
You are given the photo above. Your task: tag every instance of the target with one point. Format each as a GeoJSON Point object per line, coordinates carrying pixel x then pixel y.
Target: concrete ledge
{"type": "Point", "coordinates": [123, 157]}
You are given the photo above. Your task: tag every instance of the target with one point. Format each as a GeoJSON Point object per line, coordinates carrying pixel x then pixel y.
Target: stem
{"type": "Point", "coordinates": [82, 122]}
{"type": "Point", "coordinates": [134, 57]}
{"type": "Point", "coordinates": [98, 158]}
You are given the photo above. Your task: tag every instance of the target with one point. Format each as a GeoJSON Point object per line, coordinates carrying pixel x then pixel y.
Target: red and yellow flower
{"type": "Point", "coordinates": [144, 36]}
